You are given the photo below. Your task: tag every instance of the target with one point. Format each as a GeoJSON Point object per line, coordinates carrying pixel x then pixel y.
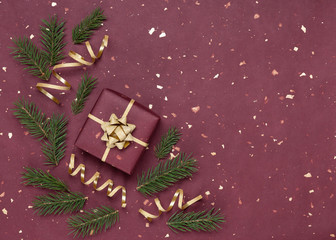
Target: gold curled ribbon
{"type": "Point", "coordinates": [178, 193]}
{"type": "Point", "coordinates": [94, 179]}
{"type": "Point", "coordinates": [80, 61]}
{"type": "Point", "coordinates": [117, 132]}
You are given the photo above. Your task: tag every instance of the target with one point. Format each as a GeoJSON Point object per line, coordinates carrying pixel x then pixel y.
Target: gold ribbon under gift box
{"type": "Point", "coordinates": [117, 130]}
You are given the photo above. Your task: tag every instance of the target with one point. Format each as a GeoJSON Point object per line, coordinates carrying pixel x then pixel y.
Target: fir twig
{"type": "Point", "coordinates": [32, 118]}
{"type": "Point", "coordinates": [196, 221]}
{"type": "Point", "coordinates": [28, 54]}
{"type": "Point", "coordinates": [52, 35]}
{"type": "Point", "coordinates": [167, 142]}
{"type": "Point", "coordinates": [39, 178]}
{"type": "Point", "coordinates": [166, 174]}
{"type": "Point", "coordinates": [54, 148]}
{"type": "Point", "coordinates": [90, 223]}
{"type": "Point", "coordinates": [59, 203]}
{"type": "Point", "coordinates": [86, 86]}
{"type": "Point", "coordinates": [84, 30]}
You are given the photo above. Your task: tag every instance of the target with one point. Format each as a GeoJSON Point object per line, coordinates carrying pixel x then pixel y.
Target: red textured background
{"type": "Point", "coordinates": [261, 126]}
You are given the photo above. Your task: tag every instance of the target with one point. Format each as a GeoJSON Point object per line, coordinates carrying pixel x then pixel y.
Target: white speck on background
{"type": "Point", "coordinates": [27, 26]}
{"type": "Point", "coordinates": [303, 28]}
{"type": "Point", "coordinates": [157, 75]}
{"type": "Point", "coordinates": [223, 146]}
{"type": "Point", "coordinates": [166, 99]}
{"type": "Point", "coordinates": [4, 211]}
{"type": "Point", "coordinates": [4, 69]}
{"type": "Point", "coordinates": [216, 76]}
{"type": "Point", "coordinates": [159, 86]}
{"type": "Point", "coordinates": [289, 96]}
{"type": "Point", "coordinates": [151, 31]}
{"type": "Point", "coordinates": [53, 4]}
{"type": "Point", "coordinates": [207, 193]}
{"type": "Point", "coordinates": [290, 199]}
{"type": "Point", "coordinates": [311, 191]}
{"type": "Point", "coordinates": [213, 153]}
{"type": "Point", "coordinates": [20, 231]}
{"type": "Point", "coordinates": [31, 36]}
{"type": "Point", "coordinates": [295, 49]}
{"type": "Point", "coordinates": [167, 235]}
{"type": "Point", "coordinates": [311, 76]}
{"type": "Point", "coordinates": [220, 187]}
{"type": "Point", "coordinates": [162, 35]}
{"type": "Point", "coordinates": [303, 74]}
{"type": "Point", "coordinates": [10, 135]}
{"type": "Point", "coordinates": [150, 106]}
{"type": "Point", "coordinates": [307, 175]}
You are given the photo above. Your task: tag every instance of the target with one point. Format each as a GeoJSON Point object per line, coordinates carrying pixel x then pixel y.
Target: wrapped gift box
{"type": "Point", "coordinates": [92, 133]}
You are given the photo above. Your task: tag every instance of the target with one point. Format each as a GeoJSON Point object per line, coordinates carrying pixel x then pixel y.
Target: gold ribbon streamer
{"type": "Point", "coordinates": [178, 193]}
{"type": "Point", "coordinates": [117, 132]}
{"type": "Point", "coordinates": [94, 179]}
{"type": "Point", "coordinates": [80, 62]}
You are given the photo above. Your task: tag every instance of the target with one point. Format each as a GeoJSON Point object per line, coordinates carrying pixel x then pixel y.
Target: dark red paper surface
{"type": "Point", "coordinates": [110, 102]}
{"type": "Point", "coordinates": [265, 90]}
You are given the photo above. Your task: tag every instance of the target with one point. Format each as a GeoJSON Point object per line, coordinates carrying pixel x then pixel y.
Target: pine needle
{"type": "Point", "coordinates": [59, 203]}
{"type": "Point", "coordinates": [52, 36]}
{"type": "Point", "coordinates": [32, 118]}
{"type": "Point", "coordinates": [54, 148]}
{"type": "Point", "coordinates": [167, 142]}
{"type": "Point", "coordinates": [90, 223]}
{"type": "Point", "coordinates": [166, 174]}
{"type": "Point", "coordinates": [28, 54]}
{"type": "Point", "coordinates": [83, 31]}
{"type": "Point", "coordinates": [41, 179]}
{"type": "Point", "coordinates": [196, 221]}
{"type": "Point", "coordinates": [86, 86]}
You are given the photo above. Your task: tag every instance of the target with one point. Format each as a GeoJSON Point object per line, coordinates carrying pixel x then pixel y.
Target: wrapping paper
{"type": "Point", "coordinates": [251, 85]}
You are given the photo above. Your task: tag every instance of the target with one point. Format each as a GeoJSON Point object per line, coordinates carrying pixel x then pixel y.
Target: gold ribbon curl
{"type": "Point", "coordinates": [94, 179]}
{"type": "Point", "coordinates": [117, 132]}
{"type": "Point", "coordinates": [80, 61]}
{"type": "Point", "coordinates": [178, 193]}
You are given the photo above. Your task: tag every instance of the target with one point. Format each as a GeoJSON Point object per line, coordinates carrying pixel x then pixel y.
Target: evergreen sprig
{"type": "Point", "coordinates": [32, 118]}
{"type": "Point", "coordinates": [167, 142]}
{"type": "Point", "coordinates": [166, 174]}
{"type": "Point", "coordinates": [28, 54]}
{"type": "Point", "coordinates": [59, 203]}
{"type": "Point", "coordinates": [41, 179]}
{"type": "Point", "coordinates": [86, 86]}
{"type": "Point", "coordinates": [52, 39]}
{"type": "Point", "coordinates": [93, 221]}
{"type": "Point", "coordinates": [83, 31]}
{"type": "Point", "coordinates": [195, 221]}
{"type": "Point", "coordinates": [54, 148]}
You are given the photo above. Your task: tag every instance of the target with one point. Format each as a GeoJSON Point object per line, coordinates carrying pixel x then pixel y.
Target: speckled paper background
{"type": "Point", "coordinates": [250, 84]}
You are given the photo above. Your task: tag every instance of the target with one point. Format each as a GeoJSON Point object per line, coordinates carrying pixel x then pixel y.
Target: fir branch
{"type": "Point", "coordinates": [83, 31]}
{"type": "Point", "coordinates": [54, 148]}
{"type": "Point", "coordinates": [84, 89]}
{"type": "Point", "coordinates": [28, 54]}
{"type": "Point", "coordinates": [59, 203]}
{"type": "Point", "coordinates": [52, 36]}
{"type": "Point", "coordinates": [39, 178]}
{"type": "Point", "coordinates": [90, 223]}
{"type": "Point", "coordinates": [32, 118]}
{"type": "Point", "coordinates": [167, 142]}
{"type": "Point", "coordinates": [166, 174]}
{"type": "Point", "coordinates": [196, 221]}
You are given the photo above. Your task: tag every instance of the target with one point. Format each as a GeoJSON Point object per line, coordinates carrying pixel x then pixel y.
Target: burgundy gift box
{"type": "Point", "coordinates": [89, 138]}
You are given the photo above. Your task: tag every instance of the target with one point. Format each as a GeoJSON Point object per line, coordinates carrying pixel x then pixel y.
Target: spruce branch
{"type": "Point", "coordinates": [195, 221]}
{"type": "Point", "coordinates": [28, 54]}
{"type": "Point", "coordinates": [167, 142]}
{"type": "Point", "coordinates": [83, 31]}
{"type": "Point", "coordinates": [32, 118]}
{"type": "Point", "coordinates": [54, 148]}
{"type": "Point", "coordinates": [86, 86]}
{"type": "Point", "coordinates": [41, 179]}
{"type": "Point", "coordinates": [59, 203]}
{"type": "Point", "coordinates": [166, 174]}
{"type": "Point", "coordinates": [92, 222]}
{"type": "Point", "coordinates": [52, 39]}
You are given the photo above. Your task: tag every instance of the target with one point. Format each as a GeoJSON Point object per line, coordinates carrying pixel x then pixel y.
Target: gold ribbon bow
{"type": "Point", "coordinates": [80, 61]}
{"type": "Point", "coordinates": [94, 179]}
{"type": "Point", "coordinates": [178, 193]}
{"type": "Point", "coordinates": [117, 132]}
